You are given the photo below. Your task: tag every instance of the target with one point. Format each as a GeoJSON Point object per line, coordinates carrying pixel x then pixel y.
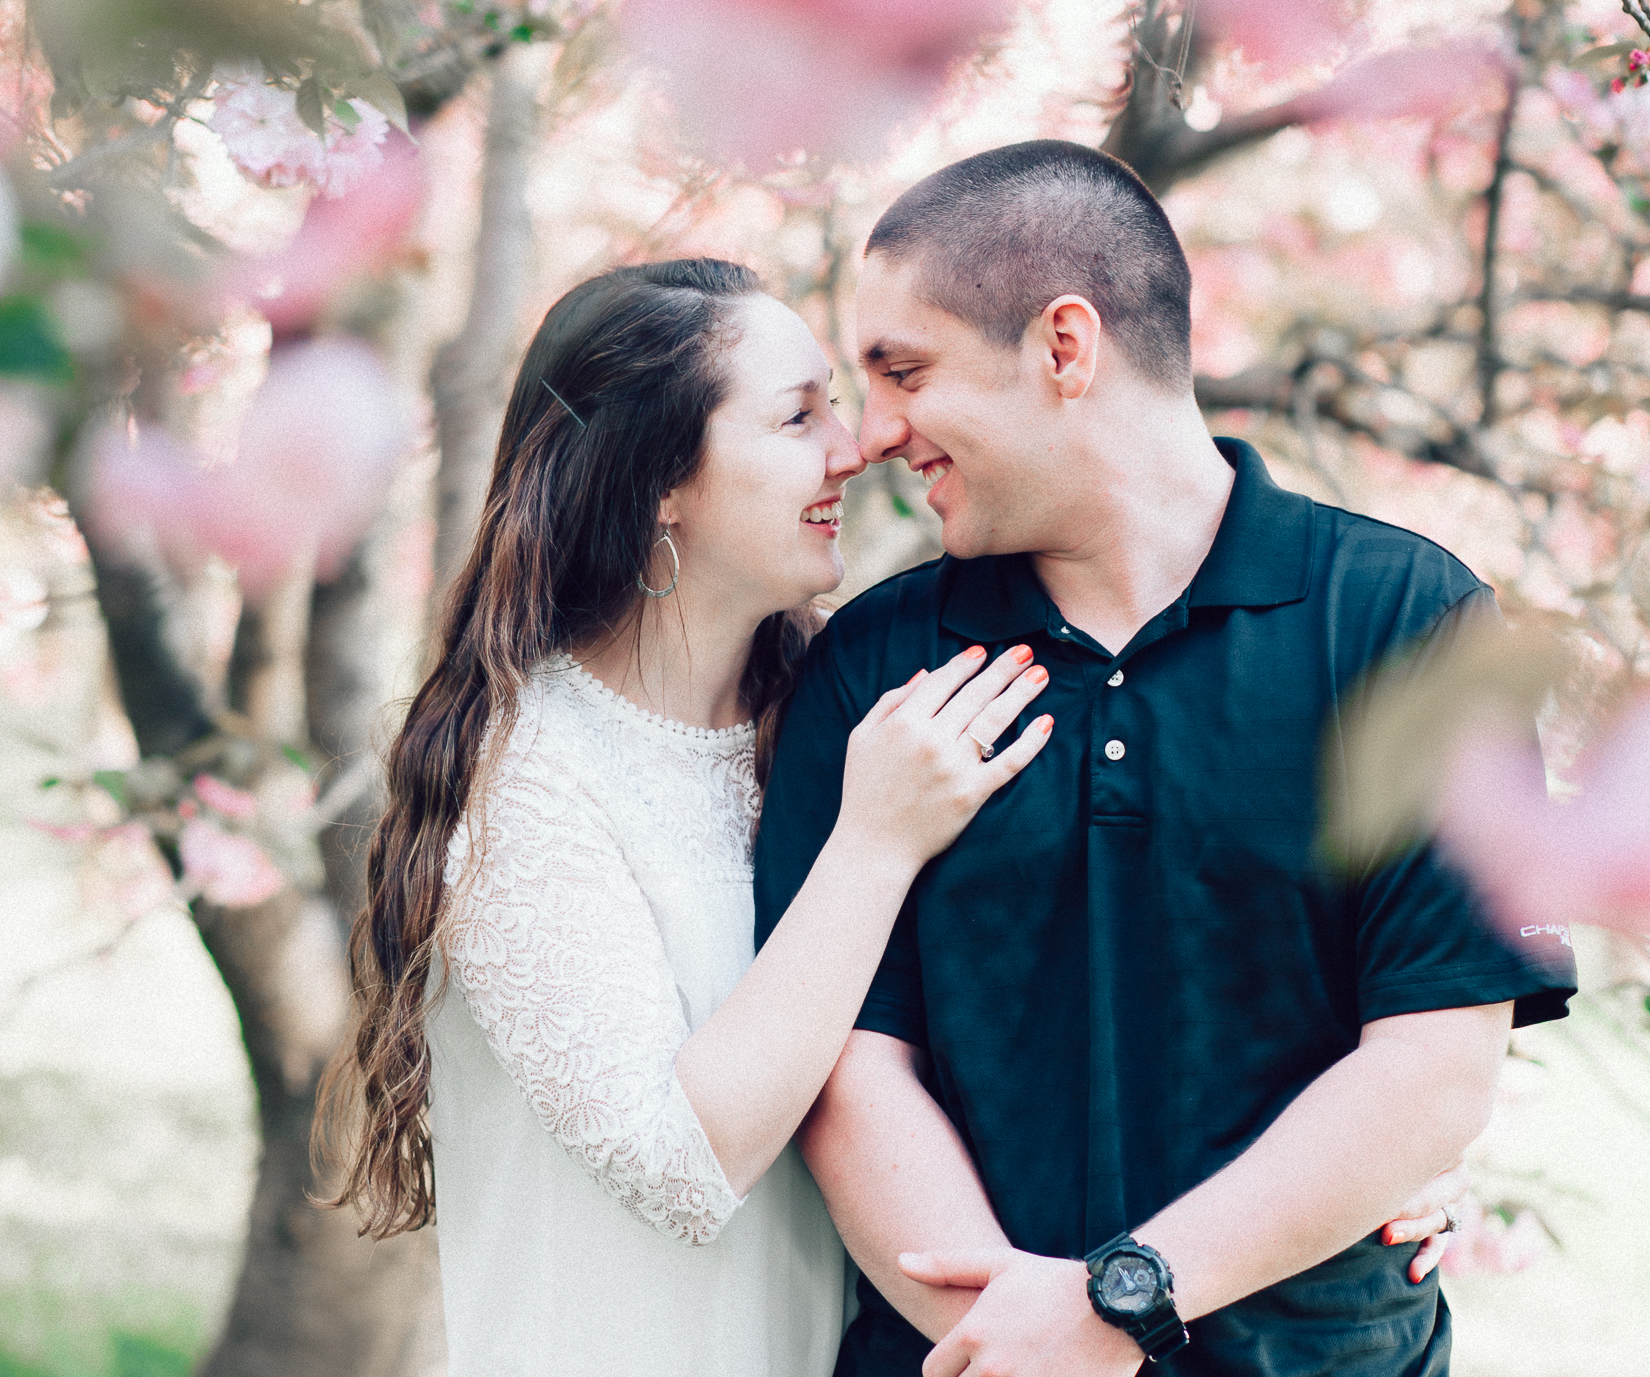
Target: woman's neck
{"type": "Point", "coordinates": [681, 664]}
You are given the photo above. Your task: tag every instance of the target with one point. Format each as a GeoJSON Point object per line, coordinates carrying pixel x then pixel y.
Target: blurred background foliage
{"type": "Point", "coordinates": [268, 267]}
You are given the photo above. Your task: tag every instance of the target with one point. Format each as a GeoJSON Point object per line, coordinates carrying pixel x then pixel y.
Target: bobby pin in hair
{"type": "Point", "coordinates": [569, 410]}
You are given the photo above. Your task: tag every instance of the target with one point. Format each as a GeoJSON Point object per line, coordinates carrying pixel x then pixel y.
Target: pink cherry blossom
{"type": "Point", "coordinates": [1540, 863]}
{"type": "Point", "coordinates": [264, 135]}
{"type": "Point", "coordinates": [229, 869]}
{"type": "Point", "coordinates": [341, 237]}
{"type": "Point", "coordinates": [760, 80]}
{"type": "Point", "coordinates": [317, 449]}
{"type": "Point", "coordinates": [224, 798]}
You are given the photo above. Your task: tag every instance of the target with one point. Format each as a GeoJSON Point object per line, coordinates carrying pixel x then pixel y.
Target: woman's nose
{"type": "Point", "coordinates": [844, 459]}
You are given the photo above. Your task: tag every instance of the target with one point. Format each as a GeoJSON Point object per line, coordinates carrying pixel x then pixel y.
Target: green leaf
{"type": "Point", "coordinates": [464, 6]}
{"type": "Point", "coordinates": [901, 506]}
{"type": "Point", "coordinates": [522, 33]}
{"type": "Point", "coordinates": [298, 758]}
{"type": "Point", "coordinates": [51, 248]}
{"type": "Point", "coordinates": [347, 115]}
{"type": "Point", "coordinates": [29, 345]}
{"type": "Point", "coordinates": [312, 108]}
{"type": "Point", "coordinates": [381, 92]}
{"type": "Point", "coordinates": [50, 782]}
{"type": "Point", "coordinates": [490, 19]}
{"type": "Point", "coordinates": [1604, 54]}
{"type": "Point", "coordinates": [112, 782]}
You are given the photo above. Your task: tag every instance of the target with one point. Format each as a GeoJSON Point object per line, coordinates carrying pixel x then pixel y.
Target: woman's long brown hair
{"type": "Point", "coordinates": [608, 414]}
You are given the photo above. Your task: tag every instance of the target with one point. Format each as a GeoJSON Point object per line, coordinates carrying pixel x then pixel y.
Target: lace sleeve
{"type": "Point", "coordinates": [559, 960]}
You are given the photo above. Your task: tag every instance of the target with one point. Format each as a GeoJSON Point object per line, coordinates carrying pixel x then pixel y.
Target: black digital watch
{"type": "Point", "coordinates": [1131, 1287]}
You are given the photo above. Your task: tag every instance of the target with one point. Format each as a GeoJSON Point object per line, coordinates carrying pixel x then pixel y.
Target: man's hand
{"type": "Point", "coordinates": [1033, 1319]}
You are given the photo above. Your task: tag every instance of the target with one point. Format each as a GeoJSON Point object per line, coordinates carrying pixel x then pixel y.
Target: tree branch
{"type": "Point", "coordinates": [1489, 352]}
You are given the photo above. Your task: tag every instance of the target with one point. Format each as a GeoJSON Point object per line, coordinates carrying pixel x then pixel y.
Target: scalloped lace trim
{"type": "Point", "coordinates": [741, 735]}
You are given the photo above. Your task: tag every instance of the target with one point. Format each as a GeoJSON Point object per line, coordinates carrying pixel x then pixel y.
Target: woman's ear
{"type": "Point", "coordinates": [1070, 335]}
{"type": "Point", "coordinates": [668, 515]}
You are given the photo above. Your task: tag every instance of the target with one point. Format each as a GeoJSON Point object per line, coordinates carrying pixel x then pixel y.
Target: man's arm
{"type": "Point", "coordinates": [1337, 1163]}
{"type": "Point", "coordinates": [895, 1175]}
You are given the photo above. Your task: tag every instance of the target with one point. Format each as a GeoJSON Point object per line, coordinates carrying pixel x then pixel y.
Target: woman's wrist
{"type": "Point", "coordinates": [870, 855]}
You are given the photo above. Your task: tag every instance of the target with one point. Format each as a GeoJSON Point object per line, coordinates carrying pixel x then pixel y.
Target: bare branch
{"type": "Point", "coordinates": [1489, 353]}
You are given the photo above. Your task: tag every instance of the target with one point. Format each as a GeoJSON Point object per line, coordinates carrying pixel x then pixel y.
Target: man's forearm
{"type": "Point", "coordinates": [1337, 1163]}
{"type": "Point", "coordinates": [896, 1176]}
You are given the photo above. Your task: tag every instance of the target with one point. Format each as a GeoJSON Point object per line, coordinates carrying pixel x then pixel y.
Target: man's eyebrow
{"type": "Point", "coordinates": [886, 348]}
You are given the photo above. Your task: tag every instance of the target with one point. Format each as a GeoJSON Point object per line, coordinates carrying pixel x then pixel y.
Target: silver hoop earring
{"type": "Point", "coordinates": [675, 568]}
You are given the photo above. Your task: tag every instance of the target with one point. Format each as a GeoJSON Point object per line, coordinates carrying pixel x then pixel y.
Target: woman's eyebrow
{"type": "Point", "coordinates": [811, 385]}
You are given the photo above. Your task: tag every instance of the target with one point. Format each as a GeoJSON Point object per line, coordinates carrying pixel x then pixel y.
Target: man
{"type": "Point", "coordinates": [1131, 1015]}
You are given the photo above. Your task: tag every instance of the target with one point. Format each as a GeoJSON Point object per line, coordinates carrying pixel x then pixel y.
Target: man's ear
{"type": "Point", "coordinates": [1069, 339]}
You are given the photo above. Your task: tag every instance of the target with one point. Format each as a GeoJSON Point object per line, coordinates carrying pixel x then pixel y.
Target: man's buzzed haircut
{"type": "Point", "coordinates": [998, 236]}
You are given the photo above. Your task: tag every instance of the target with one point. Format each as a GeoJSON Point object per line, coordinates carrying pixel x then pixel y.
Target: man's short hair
{"type": "Point", "coordinates": [1000, 235]}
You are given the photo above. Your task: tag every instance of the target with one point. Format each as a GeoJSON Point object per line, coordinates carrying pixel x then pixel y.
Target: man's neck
{"type": "Point", "coordinates": [685, 661]}
{"type": "Point", "coordinates": [1156, 495]}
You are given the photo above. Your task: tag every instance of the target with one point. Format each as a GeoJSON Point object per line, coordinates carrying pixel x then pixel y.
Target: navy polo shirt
{"type": "Point", "coordinates": [1135, 956]}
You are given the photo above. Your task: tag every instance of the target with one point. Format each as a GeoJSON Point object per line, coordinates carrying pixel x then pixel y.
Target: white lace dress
{"type": "Point", "coordinates": [586, 1228]}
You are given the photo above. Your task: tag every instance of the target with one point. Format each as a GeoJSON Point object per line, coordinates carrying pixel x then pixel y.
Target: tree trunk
{"type": "Point", "coordinates": [313, 1299]}
{"type": "Point", "coordinates": [471, 376]}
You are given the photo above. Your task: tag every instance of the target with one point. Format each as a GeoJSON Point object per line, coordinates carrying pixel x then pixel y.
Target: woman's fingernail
{"type": "Point", "coordinates": [1037, 675]}
{"type": "Point", "coordinates": [974, 652]}
{"type": "Point", "coordinates": [913, 679]}
{"type": "Point", "coordinates": [1046, 723]}
{"type": "Point", "coordinates": [1021, 655]}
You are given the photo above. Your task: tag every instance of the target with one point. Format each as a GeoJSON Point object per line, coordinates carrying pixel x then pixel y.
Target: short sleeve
{"type": "Point", "coordinates": [799, 809]}
{"type": "Point", "coordinates": [1425, 940]}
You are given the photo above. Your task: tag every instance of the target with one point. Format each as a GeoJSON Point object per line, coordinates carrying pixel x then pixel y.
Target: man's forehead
{"type": "Point", "coordinates": [893, 318]}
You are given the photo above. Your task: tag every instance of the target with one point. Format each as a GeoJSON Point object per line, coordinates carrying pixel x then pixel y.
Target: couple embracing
{"type": "Point", "coordinates": [985, 929]}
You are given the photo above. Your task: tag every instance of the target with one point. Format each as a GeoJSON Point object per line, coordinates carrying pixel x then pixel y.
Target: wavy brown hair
{"type": "Point", "coordinates": [607, 415]}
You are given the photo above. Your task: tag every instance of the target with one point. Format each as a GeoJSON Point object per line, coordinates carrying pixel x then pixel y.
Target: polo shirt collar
{"type": "Point", "coordinates": [1261, 557]}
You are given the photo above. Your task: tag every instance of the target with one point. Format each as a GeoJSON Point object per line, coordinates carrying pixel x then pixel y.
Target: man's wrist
{"type": "Point", "coordinates": [1131, 1288]}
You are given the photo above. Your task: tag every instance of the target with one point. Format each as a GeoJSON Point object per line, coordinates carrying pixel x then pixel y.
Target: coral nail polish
{"type": "Point", "coordinates": [1046, 723]}
{"type": "Point", "coordinates": [1021, 655]}
{"type": "Point", "coordinates": [1037, 675]}
{"type": "Point", "coordinates": [974, 652]}
{"type": "Point", "coordinates": [913, 679]}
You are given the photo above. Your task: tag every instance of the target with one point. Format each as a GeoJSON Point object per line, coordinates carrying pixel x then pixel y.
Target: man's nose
{"type": "Point", "coordinates": [883, 431]}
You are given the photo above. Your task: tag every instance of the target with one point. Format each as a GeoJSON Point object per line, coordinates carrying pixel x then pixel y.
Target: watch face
{"type": "Point", "coordinates": [1129, 1284]}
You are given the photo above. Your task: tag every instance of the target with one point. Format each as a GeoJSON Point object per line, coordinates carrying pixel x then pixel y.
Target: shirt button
{"type": "Point", "coordinates": [1116, 679]}
{"type": "Point", "coordinates": [1115, 750]}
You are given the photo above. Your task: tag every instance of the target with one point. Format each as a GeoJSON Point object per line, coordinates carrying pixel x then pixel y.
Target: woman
{"type": "Point", "coordinates": [572, 801]}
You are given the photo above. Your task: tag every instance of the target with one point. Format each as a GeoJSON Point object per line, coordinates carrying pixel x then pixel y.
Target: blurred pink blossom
{"type": "Point", "coordinates": [761, 80]}
{"type": "Point", "coordinates": [1282, 33]}
{"type": "Point", "coordinates": [341, 237]}
{"type": "Point", "coordinates": [1621, 117]}
{"type": "Point", "coordinates": [229, 869]}
{"type": "Point", "coordinates": [1408, 82]}
{"type": "Point", "coordinates": [317, 450]}
{"type": "Point", "coordinates": [1541, 864]}
{"type": "Point", "coordinates": [1487, 1243]}
{"type": "Point", "coordinates": [261, 129]}
{"type": "Point", "coordinates": [224, 798]}
{"type": "Point", "coordinates": [127, 872]}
